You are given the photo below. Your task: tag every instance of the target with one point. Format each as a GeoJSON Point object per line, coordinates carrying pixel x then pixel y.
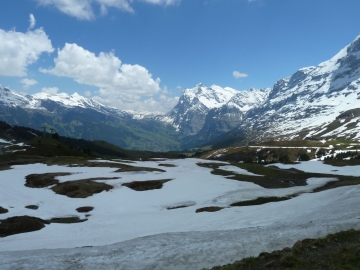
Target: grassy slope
{"type": "Point", "coordinates": [335, 251]}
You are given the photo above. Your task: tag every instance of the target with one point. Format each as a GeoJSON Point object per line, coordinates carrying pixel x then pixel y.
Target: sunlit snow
{"type": "Point", "coordinates": [134, 230]}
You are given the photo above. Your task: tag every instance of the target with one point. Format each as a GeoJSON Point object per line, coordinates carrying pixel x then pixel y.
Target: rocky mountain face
{"type": "Point", "coordinates": [228, 116]}
{"type": "Point", "coordinates": [188, 116]}
{"type": "Point", "coordinates": [320, 101]}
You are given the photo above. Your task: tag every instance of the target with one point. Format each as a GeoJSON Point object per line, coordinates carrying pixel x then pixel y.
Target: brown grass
{"type": "Point", "coordinates": [20, 224]}
{"type": "Point", "coordinates": [167, 165]}
{"type": "Point", "coordinates": [66, 220]}
{"type": "Point", "coordinates": [84, 209]}
{"type": "Point", "coordinates": [32, 207]}
{"type": "Point", "coordinates": [146, 185]}
{"type": "Point", "coordinates": [43, 180]}
{"type": "Point", "coordinates": [74, 189]}
{"type": "Point", "coordinates": [209, 209]}
{"type": "Point", "coordinates": [261, 200]}
{"type": "Point", "coordinates": [3, 210]}
{"type": "Point", "coordinates": [80, 188]}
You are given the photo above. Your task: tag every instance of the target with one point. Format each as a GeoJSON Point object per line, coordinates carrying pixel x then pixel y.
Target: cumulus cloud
{"type": "Point", "coordinates": [50, 90]}
{"type": "Point", "coordinates": [84, 9]}
{"type": "Point", "coordinates": [87, 93]}
{"type": "Point", "coordinates": [28, 82]}
{"type": "Point", "coordinates": [18, 50]}
{"type": "Point", "coordinates": [32, 22]}
{"type": "Point", "coordinates": [120, 85]}
{"type": "Point", "coordinates": [238, 74]}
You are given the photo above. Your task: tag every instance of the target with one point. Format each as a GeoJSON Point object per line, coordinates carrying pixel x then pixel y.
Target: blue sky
{"type": "Point", "coordinates": [140, 54]}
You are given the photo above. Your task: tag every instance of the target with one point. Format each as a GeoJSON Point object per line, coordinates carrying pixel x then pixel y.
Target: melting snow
{"type": "Point", "coordinates": [134, 230]}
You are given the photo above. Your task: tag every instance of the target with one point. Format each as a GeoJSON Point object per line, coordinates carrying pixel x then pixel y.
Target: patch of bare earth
{"type": "Point", "coordinates": [84, 209]}
{"type": "Point", "coordinates": [177, 207]}
{"type": "Point", "coordinates": [3, 210]}
{"type": "Point", "coordinates": [146, 185]}
{"type": "Point", "coordinates": [80, 188]}
{"type": "Point", "coordinates": [167, 165]}
{"type": "Point", "coordinates": [43, 180]}
{"type": "Point", "coordinates": [119, 166]}
{"type": "Point", "coordinates": [139, 169]}
{"type": "Point", "coordinates": [261, 200]}
{"type": "Point", "coordinates": [20, 224]}
{"type": "Point", "coordinates": [209, 209]}
{"type": "Point", "coordinates": [66, 220]}
{"type": "Point", "coordinates": [74, 189]}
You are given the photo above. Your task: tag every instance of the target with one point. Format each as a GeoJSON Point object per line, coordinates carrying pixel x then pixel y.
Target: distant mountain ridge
{"type": "Point", "coordinates": [315, 102]}
{"type": "Point", "coordinates": [79, 117]}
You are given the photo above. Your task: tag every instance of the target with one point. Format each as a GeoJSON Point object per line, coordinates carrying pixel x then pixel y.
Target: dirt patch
{"type": "Point", "coordinates": [139, 169]}
{"type": "Point", "coordinates": [43, 180]}
{"type": "Point", "coordinates": [84, 209]}
{"type": "Point", "coordinates": [335, 251]}
{"type": "Point", "coordinates": [3, 210]}
{"type": "Point", "coordinates": [167, 165]}
{"type": "Point", "coordinates": [343, 181]}
{"type": "Point", "coordinates": [177, 207]}
{"type": "Point", "coordinates": [74, 189]}
{"type": "Point", "coordinates": [146, 185]}
{"type": "Point", "coordinates": [261, 200]}
{"type": "Point", "coordinates": [274, 177]}
{"type": "Point", "coordinates": [80, 188]}
{"type": "Point", "coordinates": [20, 224]}
{"type": "Point", "coordinates": [121, 167]}
{"type": "Point", "coordinates": [209, 209]}
{"type": "Point", "coordinates": [341, 163]}
{"type": "Point", "coordinates": [66, 220]}
{"type": "Point", "coordinates": [32, 207]}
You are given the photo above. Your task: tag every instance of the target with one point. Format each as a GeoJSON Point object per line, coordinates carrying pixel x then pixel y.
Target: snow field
{"type": "Point", "coordinates": [133, 230]}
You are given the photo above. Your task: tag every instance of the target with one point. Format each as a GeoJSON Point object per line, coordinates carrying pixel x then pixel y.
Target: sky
{"type": "Point", "coordinates": [141, 54]}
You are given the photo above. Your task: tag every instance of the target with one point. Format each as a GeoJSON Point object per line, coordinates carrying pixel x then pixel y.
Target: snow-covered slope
{"type": "Point", "coordinates": [304, 104]}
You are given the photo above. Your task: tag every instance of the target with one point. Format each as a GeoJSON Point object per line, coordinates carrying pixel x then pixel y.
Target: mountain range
{"type": "Point", "coordinates": [315, 102]}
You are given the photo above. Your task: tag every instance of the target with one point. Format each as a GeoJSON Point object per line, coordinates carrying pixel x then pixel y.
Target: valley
{"type": "Point", "coordinates": [186, 213]}
{"type": "Point", "coordinates": [223, 177]}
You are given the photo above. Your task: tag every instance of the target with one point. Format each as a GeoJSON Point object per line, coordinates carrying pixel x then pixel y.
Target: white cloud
{"type": "Point", "coordinates": [84, 10]}
{"type": "Point", "coordinates": [163, 2]}
{"type": "Point", "coordinates": [50, 90]}
{"type": "Point", "coordinates": [18, 50]}
{"type": "Point", "coordinates": [238, 74]}
{"type": "Point", "coordinates": [32, 22]}
{"type": "Point", "coordinates": [28, 82]}
{"type": "Point", "coordinates": [120, 85]}
{"type": "Point", "coordinates": [80, 9]}
{"type": "Point", "coordinates": [87, 93]}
